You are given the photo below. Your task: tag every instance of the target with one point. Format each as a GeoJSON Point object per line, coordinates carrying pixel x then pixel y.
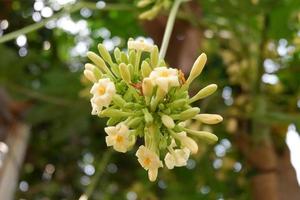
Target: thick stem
{"type": "Point", "coordinates": [169, 29]}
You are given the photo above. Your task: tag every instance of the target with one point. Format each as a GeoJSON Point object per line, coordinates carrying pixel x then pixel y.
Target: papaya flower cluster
{"type": "Point", "coordinates": [148, 103]}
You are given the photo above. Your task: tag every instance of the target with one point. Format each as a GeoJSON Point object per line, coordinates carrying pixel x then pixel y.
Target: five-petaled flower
{"type": "Point", "coordinates": [118, 137]}
{"type": "Point", "coordinates": [164, 78]}
{"type": "Point", "coordinates": [177, 157]}
{"type": "Point", "coordinates": [149, 160]}
{"type": "Point", "coordinates": [102, 91]}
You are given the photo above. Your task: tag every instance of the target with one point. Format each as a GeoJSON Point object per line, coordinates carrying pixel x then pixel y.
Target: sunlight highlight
{"type": "Point", "coordinates": [293, 142]}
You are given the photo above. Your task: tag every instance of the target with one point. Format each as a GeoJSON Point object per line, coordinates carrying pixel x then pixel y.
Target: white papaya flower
{"type": "Point", "coordinates": [164, 78]}
{"type": "Point", "coordinates": [149, 160]}
{"type": "Point", "coordinates": [177, 157]}
{"type": "Point", "coordinates": [102, 91]}
{"type": "Point", "coordinates": [118, 137]}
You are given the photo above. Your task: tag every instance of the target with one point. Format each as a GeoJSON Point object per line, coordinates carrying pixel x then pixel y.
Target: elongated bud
{"type": "Point", "coordinates": [187, 142]}
{"type": "Point", "coordinates": [154, 57]}
{"type": "Point", "coordinates": [209, 118]}
{"type": "Point", "coordinates": [148, 116]}
{"type": "Point", "coordinates": [147, 87]}
{"type": "Point", "coordinates": [132, 56]}
{"type": "Point", "coordinates": [105, 54]}
{"type": "Point", "coordinates": [131, 69]}
{"type": "Point", "coordinates": [98, 61]}
{"type": "Point", "coordinates": [178, 103]}
{"type": "Point", "coordinates": [196, 69]}
{"type": "Point", "coordinates": [146, 69]}
{"type": "Point", "coordinates": [135, 122]}
{"type": "Point", "coordinates": [167, 121]}
{"type": "Point", "coordinates": [208, 90]}
{"type": "Point", "coordinates": [117, 54]}
{"type": "Point", "coordinates": [115, 69]}
{"type": "Point", "coordinates": [113, 121]}
{"type": "Point", "coordinates": [90, 75]}
{"type": "Point", "coordinates": [124, 72]}
{"type": "Point", "coordinates": [204, 135]}
{"type": "Point", "coordinates": [124, 57]}
{"type": "Point", "coordinates": [91, 72]}
{"type": "Point", "coordinates": [110, 112]}
{"type": "Point", "coordinates": [118, 100]}
{"type": "Point", "coordinates": [144, 3]}
{"type": "Point", "coordinates": [189, 113]}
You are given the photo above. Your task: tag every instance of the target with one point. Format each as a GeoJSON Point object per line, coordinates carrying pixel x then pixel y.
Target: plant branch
{"type": "Point", "coordinates": [169, 28]}
{"type": "Point", "coordinates": [66, 10]}
{"type": "Point", "coordinates": [100, 169]}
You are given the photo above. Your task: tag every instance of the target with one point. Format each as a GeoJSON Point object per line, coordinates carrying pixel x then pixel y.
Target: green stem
{"type": "Point", "coordinates": [95, 179]}
{"type": "Point", "coordinates": [169, 29]}
{"type": "Point", "coordinates": [67, 10]}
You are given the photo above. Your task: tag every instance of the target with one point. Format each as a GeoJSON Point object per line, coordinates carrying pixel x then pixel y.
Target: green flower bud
{"type": "Point", "coordinates": [105, 54]}
{"type": "Point", "coordinates": [147, 87]}
{"type": "Point", "coordinates": [118, 100]}
{"type": "Point", "coordinates": [177, 103]}
{"type": "Point", "coordinates": [111, 112]}
{"type": "Point", "coordinates": [113, 121]}
{"type": "Point", "coordinates": [148, 116]}
{"type": "Point", "coordinates": [204, 135]}
{"type": "Point", "coordinates": [196, 69]}
{"type": "Point", "coordinates": [154, 56]}
{"type": "Point", "coordinates": [208, 90]}
{"type": "Point", "coordinates": [124, 57]}
{"type": "Point", "coordinates": [167, 121]}
{"type": "Point", "coordinates": [146, 69]}
{"type": "Point", "coordinates": [209, 118]}
{"type": "Point", "coordinates": [161, 106]}
{"type": "Point", "coordinates": [125, 73]}
{"type": "Point", "coordinates": [135, 122]}
{"type": "Point", "coordinates": [132, 56]}
{"type": "Point", "coordinates": [117, 54]}
{"type": "Point", "coordinates": [163, 143]}
{"type": "Point", "coordinates": [99, 62]}
{"type": "Point", "coordinates": [115, 69]}
{"type": "Point", "coordinates": [189, 113]}
{"type": "Point", "coordinates": [131, 69]}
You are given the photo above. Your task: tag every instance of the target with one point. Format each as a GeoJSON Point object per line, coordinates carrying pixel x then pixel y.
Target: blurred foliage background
{"type": "Point", "coordinates": [253, 49]}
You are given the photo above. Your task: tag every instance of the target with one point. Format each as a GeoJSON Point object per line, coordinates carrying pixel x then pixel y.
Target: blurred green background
{"type": "Point", "coordinates": [253, 49]}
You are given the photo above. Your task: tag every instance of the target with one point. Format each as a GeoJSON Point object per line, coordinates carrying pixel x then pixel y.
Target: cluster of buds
{"type": "Point", "coordinates": [143, 98]}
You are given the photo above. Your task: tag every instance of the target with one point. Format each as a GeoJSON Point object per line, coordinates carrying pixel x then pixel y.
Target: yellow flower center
{"type": "Point", "coordinates": [119, 139]}
{"type": "Point", "coordinates": [164, 74]}
{"type": "Point", "coordinates": [147, 161]}
{"type": "Point", "coordinates": [101, 90]}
